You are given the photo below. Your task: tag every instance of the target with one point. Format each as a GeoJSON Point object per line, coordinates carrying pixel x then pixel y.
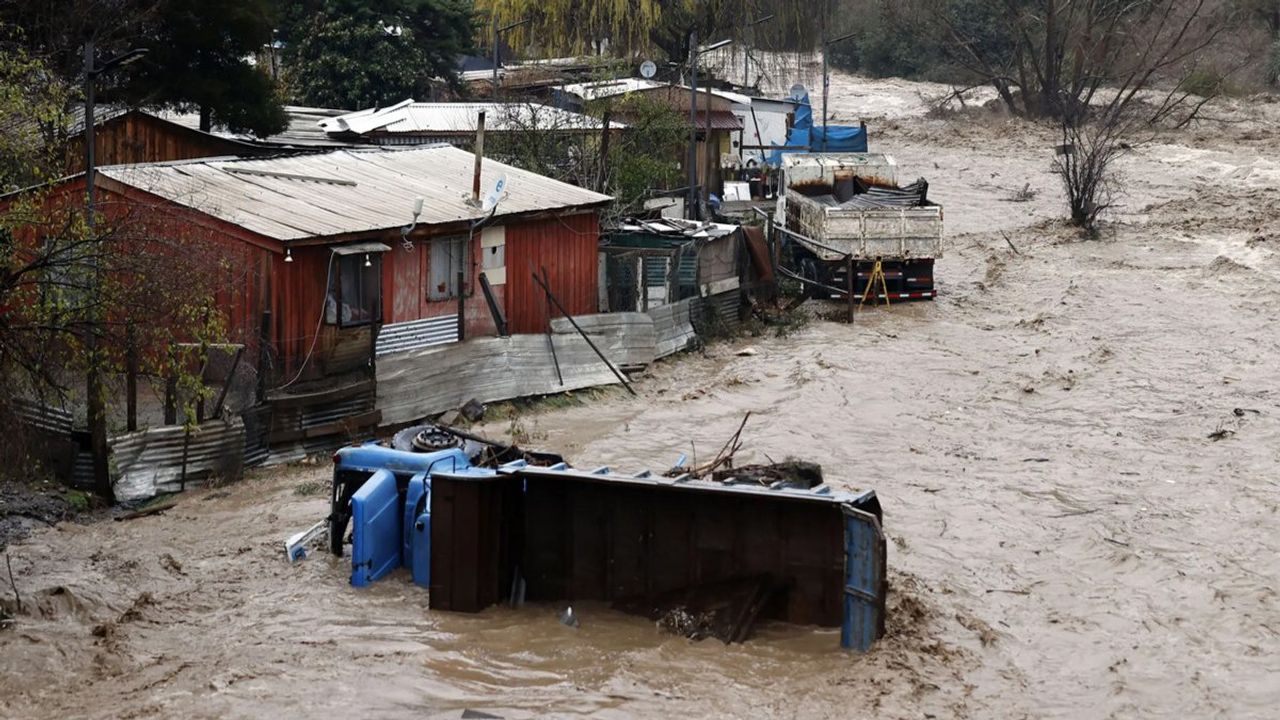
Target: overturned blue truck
{"type": "Point", "coordinates": [480, 523]}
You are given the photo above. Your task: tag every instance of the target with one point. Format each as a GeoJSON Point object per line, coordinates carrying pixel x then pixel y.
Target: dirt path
{"type": "Point", "coordinates": [1068, 539]}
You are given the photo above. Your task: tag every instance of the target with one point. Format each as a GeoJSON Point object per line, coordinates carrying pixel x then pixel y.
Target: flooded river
{"type": "Point", "coordinates": [1067, 539]}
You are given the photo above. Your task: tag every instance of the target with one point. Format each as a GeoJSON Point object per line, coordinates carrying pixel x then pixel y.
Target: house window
{"type": "Point", "coordinates": [445, 263]}
{"type": "Point", "coordinates": [355, 290]}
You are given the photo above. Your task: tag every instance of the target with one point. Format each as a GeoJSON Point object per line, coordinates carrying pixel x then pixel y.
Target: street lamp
{"type": "Point", "coordinates": [694, 52]}
{"type": "Point", "coordinates": [826, 81]}
{"type": "Point", "coordinates": [496, 32]}
{"type": "Point", "coordinates": [96, 405]}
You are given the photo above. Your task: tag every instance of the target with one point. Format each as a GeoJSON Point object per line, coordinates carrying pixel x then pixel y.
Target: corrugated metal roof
{"type": "Point", "coordinates": [610, 88]}
{"type": "Point", "coordinates": [720, 120]}
{"type": "Point", "coordinates": [443, 118]}
{"type": "Point", "coordinates": [303, 130]}
{"type": "Point", "coordinates": [675, 226]}
{"type": "Point", "coordinates": [622, 86]}
{"type": "Point", "coordinates": [346, 191]}
{"type": "Point", "coordinates": [101, 114]}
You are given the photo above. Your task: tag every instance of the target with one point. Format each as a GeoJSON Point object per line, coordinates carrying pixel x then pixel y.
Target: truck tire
{"type": "Point", "coordinates": [809, 271]}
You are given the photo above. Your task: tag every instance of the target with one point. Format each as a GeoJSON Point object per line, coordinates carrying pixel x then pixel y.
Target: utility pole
{"type": "Point", "coordinates": [692, 196]}
{"type": "Point", "coordinates": [497, 32]}
{"type": "Point", "coordinates": [97, 411]}
{"type": "Point", "coordinates": [694, 52]}
{"type": "Point", "coordinates": [96, 402]}
{"type": "Point", "coordinates": [495, 56]}
{"type": "Point", "coordinates": [826, 79]}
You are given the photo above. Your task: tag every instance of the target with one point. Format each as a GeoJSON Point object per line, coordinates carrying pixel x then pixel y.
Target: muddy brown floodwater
{"type": "Point", "coordinates": [1068, 541]}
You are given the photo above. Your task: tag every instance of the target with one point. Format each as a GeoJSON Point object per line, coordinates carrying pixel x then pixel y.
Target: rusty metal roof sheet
{"type": "Point", "coordinates": [459, 117]}
{"type": "Point", "coordinates": [720, 120]}
{"type": "Point", "coordinates": [346, 191]}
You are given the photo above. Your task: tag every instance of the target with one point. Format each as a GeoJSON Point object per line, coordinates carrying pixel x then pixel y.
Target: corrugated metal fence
{"type": "Point", "coordinates": [168, 459]}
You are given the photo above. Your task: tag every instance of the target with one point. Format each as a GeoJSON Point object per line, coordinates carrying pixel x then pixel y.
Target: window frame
{"type": "Point", "coordinates": [333, 316]}
{"type": "Point", "coordinates": [456, 264]}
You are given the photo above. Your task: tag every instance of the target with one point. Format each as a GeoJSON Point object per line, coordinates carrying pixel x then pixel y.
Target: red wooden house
{"type": "Point", "coordinates": [331, 266]}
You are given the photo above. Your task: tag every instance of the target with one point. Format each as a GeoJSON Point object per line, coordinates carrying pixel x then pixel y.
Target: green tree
{"type": "Point", "coordinates": [33, 112]}
{"type": "Point", "coordinates": [361, 53]}
{"type": "Point", "coordinates": [646, 157]}
{"type": "Point", "coordinates": [200, 58]}
{"type": "Point", "coordinates": [631, 27]}
{"type": "Point", "coordinates": [74, 295]}
{"type": "Point", "coordinates": [199, 52]}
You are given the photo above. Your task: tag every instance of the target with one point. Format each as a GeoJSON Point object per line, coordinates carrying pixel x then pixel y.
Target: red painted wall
{"type": "Point", "coordinates": [252, 278]}
{"type": "Point", "coordinates": [568, 248]}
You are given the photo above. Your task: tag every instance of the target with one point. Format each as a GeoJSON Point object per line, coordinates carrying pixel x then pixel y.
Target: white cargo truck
{"type": "Point", "coordinates": [837, 209]}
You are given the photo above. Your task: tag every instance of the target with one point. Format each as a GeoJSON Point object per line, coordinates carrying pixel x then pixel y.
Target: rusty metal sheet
{"type": "Point", "coordinates": [632, 539]}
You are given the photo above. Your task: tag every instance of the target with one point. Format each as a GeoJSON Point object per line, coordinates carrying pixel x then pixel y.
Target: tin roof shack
{"type": "Point", "coordinates": [651, 263]}
{"type": "Point", "coordinates": [130, 136]}
{"type": "Point", "coordinates": [331, 279]}
{"type": "Point", "coordinates": [136, 136]}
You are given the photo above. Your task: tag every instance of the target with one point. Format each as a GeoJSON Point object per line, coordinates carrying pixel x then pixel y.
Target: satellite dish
{"type": "Point", "coordinates": [495, 195]}
{"type": "Point", "coordinates": [798, 91]}
{"type": "Point", "coordinates": [648, 69]}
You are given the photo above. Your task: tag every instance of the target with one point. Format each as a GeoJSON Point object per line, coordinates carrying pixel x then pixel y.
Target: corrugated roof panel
{"type": "Point", "coordinates": [346, 191]}
{"type": "Point", "coordinates": [622, 86]}
{"type": "Point", "coordinates": [448, 118]}
{"type": "Point", "coordinates": [720, 120]}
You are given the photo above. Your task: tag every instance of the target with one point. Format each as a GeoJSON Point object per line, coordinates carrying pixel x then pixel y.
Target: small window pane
{"type": "Point", "coordinates": [355, 291]}
{"type": "Point", "coordinates": [445, 263]}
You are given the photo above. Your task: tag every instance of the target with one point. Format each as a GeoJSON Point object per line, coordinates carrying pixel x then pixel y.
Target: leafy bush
{"type": "Point", "coordinates": [1204, 81]}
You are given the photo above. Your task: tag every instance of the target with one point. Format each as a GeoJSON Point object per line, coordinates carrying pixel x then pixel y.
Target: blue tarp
{"type": "Point", "coordinates": [836, 138]}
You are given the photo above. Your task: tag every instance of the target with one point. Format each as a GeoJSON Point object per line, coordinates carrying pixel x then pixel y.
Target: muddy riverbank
{"type": "Point", "coordinates": [1077, 448]}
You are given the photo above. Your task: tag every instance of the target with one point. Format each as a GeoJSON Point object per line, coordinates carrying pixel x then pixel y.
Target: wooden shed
{"type": "Point", "coordinates": [130, 136]}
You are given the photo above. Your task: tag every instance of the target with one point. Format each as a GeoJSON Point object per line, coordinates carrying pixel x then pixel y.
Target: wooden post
{"type": "Point", "coordinates": [186, 448]}
{"type": "Point", "coordinates": [475, 180]}
{"type": "Point", "coordinates": [499, 322]}
{"type": "Point", "coordinates": [462, 308]}
{"type": "Point", "coordinates": [264, 354]}
{"type": "Point", "coordinates": [171, 398]}
{"type": "Point", "coordinates": [616, 373]}
{"type": "Point", "coordinates": [131, 381]}
{"type": "Point", "coordinates": [551, 343]}
{"type": "Point", "coordinates": [706, 177]}
{"type": "Point", "coordinates": [853, 284]}
{"type": "Point", "coordinates": [226, 386]}
{"type": "Point", "coordinates": [603, 177]}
